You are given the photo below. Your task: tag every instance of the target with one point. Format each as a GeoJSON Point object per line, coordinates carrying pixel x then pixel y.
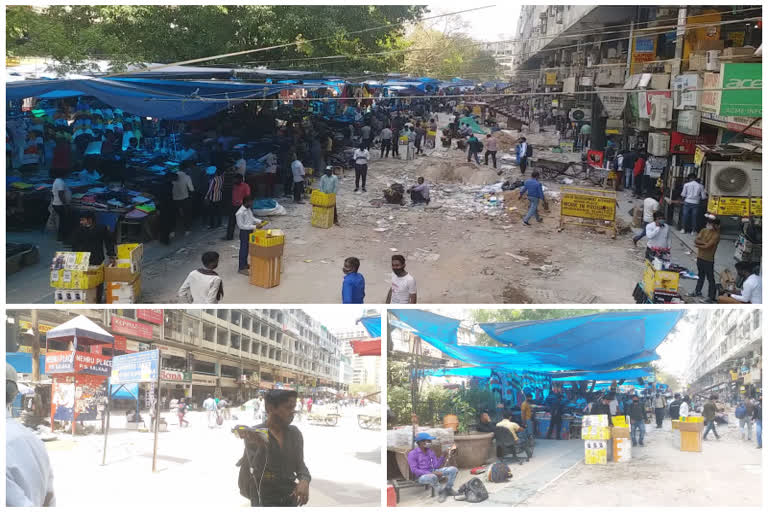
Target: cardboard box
{"type": "Point", "coordinates": [130, 256]}
{"type": "Point", "coordinates": [120, 275]}
{"type": "Point", "coordinates": [77, 279]}
{"type": "Point", "coordinates": [675, 425]}
{"type": "Point", "coordinates": [685, 426]}
{"type": "Point", "coordinates": [68, 296]}
{"type": "Point", "coordinates": [596, 433]}
{"type": "Point", "coordinates": [622, 449]}
{"type": "Point", "coordinates": [71, 260]}
{"type": "Point", "coordinates": [595, 420]}
{"type": "Point", "coordinates": [266, 265]}
{"type": "Point", "coordinates": [123, 293]}
{"type": "Point", "coordinates": [708, 44]}
{"type": "Point", "coordinates": [620, 421]}
{"type": "Point", "coordinates": [595, 452]}
{"type": "Point", "coordinates": [690, 441]}
{"type": "Point", "coordinates": [744, 51]}
{"type": "Point", "coordinates": [620, 432]}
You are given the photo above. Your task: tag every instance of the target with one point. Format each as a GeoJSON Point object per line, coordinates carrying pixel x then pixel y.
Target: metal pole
{"type": "Point", "coordinates": [107, 410]}
{"type": "Point", "coordinates": [35, 348]}
{"type": "Point", "coordinates": [157, 414]}
{"type": "Point", "coordinates": [682, 15]}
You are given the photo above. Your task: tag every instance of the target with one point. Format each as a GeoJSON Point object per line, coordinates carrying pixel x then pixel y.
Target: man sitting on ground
{"type": "Point", "coordinates": [419, 193]}
{"type": "Point", "coordinates": [428, 469]}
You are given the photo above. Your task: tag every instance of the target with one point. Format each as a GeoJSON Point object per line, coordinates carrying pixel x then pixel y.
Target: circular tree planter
{"type": "Point", "coordinates": [472, 449]}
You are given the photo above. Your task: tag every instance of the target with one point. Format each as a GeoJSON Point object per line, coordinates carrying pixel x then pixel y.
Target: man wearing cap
{"type": "Point", "coordinates": [428, 469]}
{"type": "Point", "coordinates": [28, 472]}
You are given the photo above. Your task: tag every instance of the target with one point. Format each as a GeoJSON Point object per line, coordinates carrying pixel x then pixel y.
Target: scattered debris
{"type": "Point", "coordinates": [521, 259]}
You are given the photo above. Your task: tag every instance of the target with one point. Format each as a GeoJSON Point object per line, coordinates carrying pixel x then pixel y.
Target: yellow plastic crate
{"type": "Point", "coordinates": [319, 198]}
{"type": "Point", "coordinates": [266, 237]}
{"type": "Point", "coordinates": [664, 280]}
{"type": "Point", "coordinates": [322, 216]}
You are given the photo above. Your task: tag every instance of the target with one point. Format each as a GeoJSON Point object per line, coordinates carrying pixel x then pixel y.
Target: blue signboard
{"type": "Point", "coordinates": [134, 368]}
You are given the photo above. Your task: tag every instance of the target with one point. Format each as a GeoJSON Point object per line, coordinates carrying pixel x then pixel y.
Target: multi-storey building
{"type": "Point", "coordinates": [229, 352]}
{"type": "Point", "coordinates": [726, 353]}
{"type": "Point", "coordinates": [365, 369]}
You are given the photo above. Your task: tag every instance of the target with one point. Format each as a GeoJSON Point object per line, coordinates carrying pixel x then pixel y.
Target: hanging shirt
{"type": "Point", "coordinates": [239, 192]}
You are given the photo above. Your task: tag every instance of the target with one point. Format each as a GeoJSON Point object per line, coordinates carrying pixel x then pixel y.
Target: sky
{"type": "Point", "coordinates": [337, 317]}
{"type": "Point", "coordinates": [492, 24]}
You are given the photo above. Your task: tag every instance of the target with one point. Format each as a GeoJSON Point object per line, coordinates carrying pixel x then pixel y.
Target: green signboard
{"type": "Point", "coordinates": [737, 97]}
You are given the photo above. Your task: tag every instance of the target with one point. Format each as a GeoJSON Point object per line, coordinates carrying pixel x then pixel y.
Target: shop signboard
{"type": "Point", "coordinates": [121, 343]}
{"type": "Point", "coordinates": [551, 78]}
{"type": "Point", "coordinates": [689, 122]}
{"type": "Point", "coordinates": [171, 351]}
{"type": "Point", "coordinates": [588, 206]}
{"type": "Point", "coordinates": [742, 93]}
{"type": "Point", "coordinates": [613, 103]}
{"type": "Point", "coordinates": [125, 326]}
{"type": "Point", "coordinates": [735, 206]}
{"type": "Point", "coordinates": [698, 157]}
{"type": "Point", "coordinates": [656, 165]}
{"type": "Point", "coordinates": [41, 328]}
{"type": "Point", "coordinates": [710, 99]}
{"type": "Point", "coordinates": [59, 362]}
{"type": "Point", "coordinates": [567, 147]}
{"type": "Point", "coordinates": [154, 316]}
{"type": "Point", "coordinates": [684, 97]}
{"type": "Point", "coordinates": [203, 380]}
{"type": "Point", "coordinates": [734, 123]}
{"type": "Point", "coordinates": [682, 144]}
{"type": "Point", "coordinates": [175, 376]}
{"type": "Point", "coordinates": [134, 368]}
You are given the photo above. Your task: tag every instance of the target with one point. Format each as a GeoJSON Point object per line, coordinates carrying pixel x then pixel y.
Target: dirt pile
{"type": "Point", "coordinates": [458, 172]}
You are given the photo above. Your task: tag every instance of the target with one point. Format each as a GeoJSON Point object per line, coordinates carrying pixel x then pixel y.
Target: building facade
{"type": "Point", "coordinates": [225, 352]}
{"type": "Point", "coordinates": [363, 369]}
{"type": "Point", "coordinates": [726, 353]}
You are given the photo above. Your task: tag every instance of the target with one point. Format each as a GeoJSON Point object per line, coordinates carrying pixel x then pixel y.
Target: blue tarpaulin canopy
{"type": "Point", "coordinates": [166, 99]}
{"type": "Point", "coordinates": [22, 362]}
{"type": "Point", "coordinates": [631, 373]}
{"type": "Point", "coordinates": [373, 325]}
{"type": "Point", "coordinates": [465, 371]}
{"type": "Point", "coordinates": [610, 341]}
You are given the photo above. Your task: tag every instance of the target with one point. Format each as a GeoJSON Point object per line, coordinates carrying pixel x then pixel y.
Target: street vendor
{"type": "Point", "coordinates": [428, 469]}
{"type": "Point", "coordinates": [658, 235]}
{"type": "Point", "coordinates": [95, 239]}
{"type": "Point", "coordinates": [246, 223]}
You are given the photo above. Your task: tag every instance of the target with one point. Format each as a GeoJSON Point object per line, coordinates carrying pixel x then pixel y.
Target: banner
{"type": "Point", "coordinates": [682, 144]}
{"type": "Point", "coordinates": [710, 100]}
{"type": "Point", "coordinates": [135, 368]}
{"type": "Point", "coordinates": [126, 326]}
{"type": "Point", "coordinates": [59, 362]}
{"type": "Point", "coordinates": [551, 78]}
{"type": "Point", "coordinates": [735, 206]}
{"type": "Point", "coordinates": [93, 364]}
{"type": "Point", "coordinates": [588, 207]}
{"type": "Point", "coordinates": [613, 103]}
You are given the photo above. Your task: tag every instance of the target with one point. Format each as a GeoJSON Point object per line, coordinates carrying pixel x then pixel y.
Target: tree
{"type": "Point", "coordinates": [441, 49]}
{"type": "Point", "coordinates": [520, 315]}
{"type": "Point", "coordinates": [131, 34]}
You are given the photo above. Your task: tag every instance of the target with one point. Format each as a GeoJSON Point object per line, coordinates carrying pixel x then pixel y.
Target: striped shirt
{"type": "Point", "coordinates": [215, 188]}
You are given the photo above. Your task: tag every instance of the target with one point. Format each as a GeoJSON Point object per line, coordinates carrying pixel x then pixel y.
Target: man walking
{"type": "Point", "coordinates": [706, 242]}
{"type": "Point", "coordinates": [693, 194]}
{"type": "Point", "coordinates": [535, 192]}
{"type": "Point", "coordinates": [659, 404]}
{"type": "Point", "coordinates": [709, 412]}
{"type": "Point", "coordinates": [491, 147]}
{"type": "Point", "coordinates": [365, 132]}
{"type": "Point", "coordinates": [428, 469]}
{"type": "Point", "coordinates": [522, 154]}
{"type": "Point", "coordinates": [212, 410]}
{"type": "Point", "coordinates": [475, 147]}
{"type": "Point", "coordinates": [637, 419]}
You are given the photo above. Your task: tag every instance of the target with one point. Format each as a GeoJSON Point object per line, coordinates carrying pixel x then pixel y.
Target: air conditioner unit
{"type": "Point", "coordinates": [661, 112]}
{"type": "Point", "coordinates": [658, 144]}
{"type": "Point", "coordinates": [580, 114]}
{"type": "Point", "coordinates": [735, 179]}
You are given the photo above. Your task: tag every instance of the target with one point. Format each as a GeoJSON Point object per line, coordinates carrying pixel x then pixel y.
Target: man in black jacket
{"type": "Point", "coordinates": [556, 418]}
{"type": "Point", "coordinates": [637, 417]}
{"type": "Point", "coordinates": [280, 477]}
{"type": "Point", "coordinates": [602, 407]}
{"type": "Point", "coordinates": [674, 407]}
{"type": "Point", "coordinates": [95, 239]}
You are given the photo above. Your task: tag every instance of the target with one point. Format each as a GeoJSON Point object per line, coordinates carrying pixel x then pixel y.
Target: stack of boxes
{"type": "Point", "coordinates": [621, 441]}
{"type": "Point", "coordinates": [266, 257]}
{"type": "Point", "coordinates": [73, 279]}
{"type": "Point", "coordinates": [124, 279]}
{"type": "Point", "coordinates": [596, 433]}
{"type": "Point", "coordinates": [323, 206]}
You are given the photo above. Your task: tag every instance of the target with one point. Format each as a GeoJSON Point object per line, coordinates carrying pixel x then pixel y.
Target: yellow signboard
{"type": "Point", "coordinates": [28, 349]}
{"type": "Point", "coordinates": [698, 157]}
{"type": "Point", "coordinates": [551, 78]}
{"type": "Point", "coordinates": [588, 206]}
{"type": "Point", "coordinates": [42, 328]}
{"type": "Point", "coordinates": [735, 206]}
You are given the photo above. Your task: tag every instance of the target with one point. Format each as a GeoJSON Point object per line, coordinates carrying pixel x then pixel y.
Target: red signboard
{"type": "Point", "coordinates": [595, 158]}
{"type": "Point", "coordinates": [96, 349]}
{"type": "Point", "coordinates": [59, 362]}
{"type": "Point", "coordinates": [154, 316]}
{"type": "Point", "coordinates": [126, 326]}
{"type": "Point", "coordinates": [682, 144]}
{"type": "Point", "coordinates": [120, 343]}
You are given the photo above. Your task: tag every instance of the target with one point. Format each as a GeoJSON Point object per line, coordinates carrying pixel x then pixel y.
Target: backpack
{"type": "Point", "coordinates": [246, 482]}
{"type": "Point", "coordinates": [528, 150]}
{"type": "Point", "coordinates": [499, 472]}
{"type": "Point", "coordinates": [741, 412]}
{"type": "Point", "coordinates": [473, 491]}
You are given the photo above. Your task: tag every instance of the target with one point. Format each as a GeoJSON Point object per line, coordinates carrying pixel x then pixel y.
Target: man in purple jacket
{"type": "Point", "coordinates": [428, 469]}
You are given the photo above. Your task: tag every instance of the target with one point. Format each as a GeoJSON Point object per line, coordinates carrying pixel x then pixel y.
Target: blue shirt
{"type": "Point", "coordinates": [533, 187]}
{"type": "Point", "coordinates": [353, 289]}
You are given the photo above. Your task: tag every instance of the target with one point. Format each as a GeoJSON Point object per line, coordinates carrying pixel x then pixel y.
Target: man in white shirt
{"type": "Point", "coordinates": [246, 223]}
{"type": "Point", "coordinates": [386, 141]}
{"type": "Point", "coordinates": [209, 404]}
{"type": "Point", "coordinates": [752, 289]}
{"type": "Point", "coordinates": [28, 472]}
{"type": "Point", "coordinates": [403, 288]}
{"type": "Point", "coordinates": [650, 206]}
{"type": "Point", "coordinates": [658, 235]}
{"type": "Point", "coordinates": [693, 194]}
{"type": "Point", "coordinates": [365, 131]}
{"type": "Point", "coordinates": [182, 186]}
{"type": "Point", "coordinates": [361, 157]}
{"type": "Point", "coordinates": [297, 169]}
{"type": "Point", "coordinates": [62, 195]}
{"type": "Point", "coordinates": [203, 286]}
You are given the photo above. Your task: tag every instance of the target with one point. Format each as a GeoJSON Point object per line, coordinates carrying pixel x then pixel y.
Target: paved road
{"type": "Point", "coordinates": [197, 466]}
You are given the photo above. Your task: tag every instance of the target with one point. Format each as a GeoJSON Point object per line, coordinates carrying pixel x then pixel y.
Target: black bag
{"type": "Point", "coordinates": [479, 147]}
{"type": "Point", "coordinates": [245, 479]}
{"type": "Point", "coordinates": [528, 150]}
{"type": "Point", "coordinates": [473, 491]}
